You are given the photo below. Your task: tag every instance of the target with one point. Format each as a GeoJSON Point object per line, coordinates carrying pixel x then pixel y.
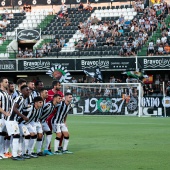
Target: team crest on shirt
{"type": "Point", "coordinates": [59, 73]}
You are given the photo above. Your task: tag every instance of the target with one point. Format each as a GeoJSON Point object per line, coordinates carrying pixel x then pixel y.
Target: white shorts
{"type": "Point", "coordinates": [45, 127]}
{"type": "Point", "coordinates": [2, 125]}
{"type": "Point", "coordinates": [12, 127]}
{"type": "Point", "coordinates": [60, 127]}
{"type": "Point", "coordinates": [26, 129]}
{"type": "Point", "coordinates": [37, 127]}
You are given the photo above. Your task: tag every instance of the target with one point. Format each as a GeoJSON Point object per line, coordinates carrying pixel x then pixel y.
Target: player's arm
{"type": "Point", "coordinates": [15, 109]}
{"type": "Point", "coordinates": [65, 119]}
{"type": "Point", "coordinates": [3, 112]}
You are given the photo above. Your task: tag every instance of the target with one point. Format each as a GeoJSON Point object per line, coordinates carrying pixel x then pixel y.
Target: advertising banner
{"type": "Point", "coordinates": [106, 63]}
{"type": "Point", "coordinates": [28, 34]}
{"type": "Point", "coordinates": [154, 63]}
{"type": "Point", "coordinates": [44, 64]}
{"type": "Point", "coordinates": [7, 65]}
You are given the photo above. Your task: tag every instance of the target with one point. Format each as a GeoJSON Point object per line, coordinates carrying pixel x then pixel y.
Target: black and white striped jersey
{"type": "Point", "coordinates": [61, 113]}
{"type": "Point", "coordinates": [47, 109]}
{"type": "Point", "coordinates": [31, 113]}
{"type": "Point", "coordinates": [16, 94]}
{"type": "Point", "coordinates": [20, 101]}
{"type": "Point", "coordinates": [5, 102]}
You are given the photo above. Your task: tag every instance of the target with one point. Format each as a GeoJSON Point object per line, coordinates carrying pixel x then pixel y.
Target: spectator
{"type": "Point", "coordinates": [160, 49]}
{"type": "Point", "coordinates": [95, 21]}
{"type": "Point", "coordinates": [151, 49]}
{"type": "Point", "coordinates": [68, 21]}
{"type": "Point", "coordinates": [121, 19]}
{"type": "Point", "coordinates": [62, 42]}
{"type": "Point", "coordinates": [167, 48]}
{"type": "Point", "coordinates": [11, 15]}
{"type": "Point", "coordinates": [163, 39]}
{"type": "Point", "coordinates": [89, 7]}
{"type": "Point", "coordinates": [80, 7]}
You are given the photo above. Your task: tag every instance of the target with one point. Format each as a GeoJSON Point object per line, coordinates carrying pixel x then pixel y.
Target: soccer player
{"type": "Point", "coordinates": [56, 86]}
{"type": "Point", "coordinates": [12, 124]}
{"type": "Point", "coordinates": [10, 91]}
{"type": "Point", "coordinates": [48, 108]}
{"type": "Point", "coordinates": [20, 82]}
{"type": "Point", "coordinates": [30, 128]}
{"type": "Point", "coordinates": [4, 112]}
{"type": "Point", "coordinates": [59, 124]}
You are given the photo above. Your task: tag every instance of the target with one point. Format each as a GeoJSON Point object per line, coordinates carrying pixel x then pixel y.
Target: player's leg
{"type": "Point", "coordinates": [32, 142]}
{"type": "Point", "coordinates": [26, 139]}
{"type": "Point", "coordinates": [2, 137]}
{"type": "Point", "coordinates": [65, 132]}
{"type": "Point", "coordinates": [57, 130]}
{"type": "Point", "coordinates": [48, 138]}
{"type": "Point", "coordinates": [39, 138]}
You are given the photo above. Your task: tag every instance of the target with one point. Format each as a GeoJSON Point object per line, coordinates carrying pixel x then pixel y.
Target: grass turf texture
{"type": "Point", "coordinates": [107, 143]}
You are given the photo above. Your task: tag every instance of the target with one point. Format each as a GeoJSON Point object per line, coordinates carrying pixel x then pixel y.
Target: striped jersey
{"type": "Point", "coordinates": [5, 102]}
{"type": "Point", "coordinates": [20, 102]}
{"type": "Point", "coordinates": [31, 113]}
{"type": "Point", "coordinates": [16, 94]}
{"type": "Point", "coordinates": [47, 109]}
{"type": "Point", "coordinates": [62, 111]}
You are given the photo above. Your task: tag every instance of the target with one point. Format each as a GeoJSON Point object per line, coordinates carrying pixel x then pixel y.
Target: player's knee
{"type": "Point", "coordinates": [27, 137]}
{"type": "Point", "coordinates": [16, 136]}
{"type": "Point", "coordinates": [34, 137]}
{"type": "Point", "coordinates": [49, 133]}
{"type": "Point", "coordinates": [58, 138]}
{"type": "Point", "coordinates": [66, 137]}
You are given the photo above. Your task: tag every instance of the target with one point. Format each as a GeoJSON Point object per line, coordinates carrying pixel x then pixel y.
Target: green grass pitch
{"type": "Point", "coordinates": [108, 143]}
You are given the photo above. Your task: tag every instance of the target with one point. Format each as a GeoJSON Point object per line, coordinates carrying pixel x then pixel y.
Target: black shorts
{"type": "Point", "coordinates": [151, 51]}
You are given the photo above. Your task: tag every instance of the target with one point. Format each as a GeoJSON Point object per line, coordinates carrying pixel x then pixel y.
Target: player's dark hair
{"type": "Point", "coordinates": [37, 82]}
{"type": "Point", "coordinates": [23, 87]}
{"type": "Point", "coordinates": [2, 78]}
{"type": "Point", "coordinates": [54, 83]}
{"type": "Point", "coordinates": [29, 82]}
{"type": "Point", "coordinates": [56, 95]}
{"type": "Point", "coordinates": [9, 83]}
{"type": "Point", "coordinates": [20, 81]}
{"type": "Point", "coordinates": [67, 94]}
{"type": "Point", "coordinates": [37, 99]}
{"type": "Point", "coordinates": [41, 90]}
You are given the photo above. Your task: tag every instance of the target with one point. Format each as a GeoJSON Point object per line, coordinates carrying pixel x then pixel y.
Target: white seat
{"type": "Point", "coordinates": [106, 11]}
{"type": "Point", "coordinates": [8, 34]}
{"type": "Point", "coordinates": [110, 10]}
{"type": "Point", "coordinates": [34, 25]}
{"type": "Point", "coordinates": [124, 10]}
{"type": "Point", "coordinates": [126, 17]}
{"type": "Point", "coordinates": [99, 15]}
{"type": "Point", "coordinates": [30, 25]}
{"type": "Point", "coordinates": [6, 55]}
{"type": "Point", "coordinates": [125, 13]}
{"type": "Point", "coordinates": [2, 55]}
{"type": "Point", "coordinates": [130, 17]}
{"type": "Point", "coordinates": [13, 33]}
{"type": "Point", "coordinates": [107, 14]}
{"type": "Point", "coordinates": [115, 14]}
{"type": "Point", "coordinates": [28, 17]}
{"type": "Point", "coordinates": [111, 14]}
{"type": "Point", "coordinates": [130, 13]}
{"type": "Point", "coordinates": [114, 10]}
{"type": "Point", "coordinates": [119, 10]}
{"type": "Point", "coordinates": [97, 11]}
{"type": "Point", "coordinates": [134, 13]}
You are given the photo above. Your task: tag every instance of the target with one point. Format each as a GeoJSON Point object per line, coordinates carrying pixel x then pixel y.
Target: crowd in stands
{"type": "Point", "coordinates": [151, 18]}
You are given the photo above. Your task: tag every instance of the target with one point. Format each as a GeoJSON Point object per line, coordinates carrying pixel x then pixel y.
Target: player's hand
{"type": "Point", "coordinates": [26, 119]}
{"type": "Point", "coordinates": [7, 114]}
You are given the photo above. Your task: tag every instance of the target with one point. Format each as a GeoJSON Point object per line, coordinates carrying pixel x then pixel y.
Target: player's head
{"type": "Point", "coordinates": [31, 85]}
{"type": "Point", "coordinates": [68, 97]}
{"type": "Point", "coordinates": [21, 82]}
{"type": "Point", "coordinates": [4, 82]}
{"type": "Point", "coordinates": [38, 102]}
{"type": "Point", "coordinates": [39, 85]}
{"type": "Point", "coordinates": [56, 85]}
{"type": "Point", "coordinates": [57, 99]}
{"type": "Point", "coordinates": [11, 86]}
{"type": "Point", "coordinates": [25, 91]}
{"type": "Point", "coordinates": [44, 93]}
